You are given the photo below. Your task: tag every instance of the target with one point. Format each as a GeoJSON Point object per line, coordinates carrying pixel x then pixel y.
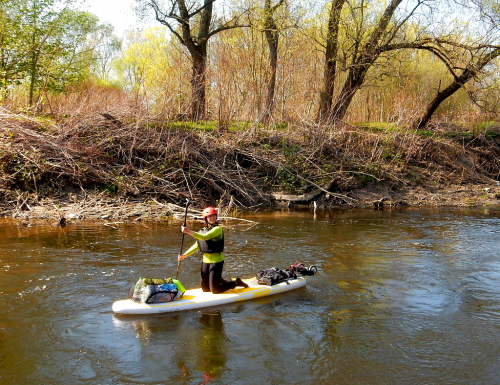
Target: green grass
{"type": "Point", "coordinates": [491, 134]}
{"type": "Point", "coordinates": [379, 126]}
{"type": "Point", "coordinates": [459, 135]}
{"type": "Point", "coordinates": [209, 125]}
{"type": "Point", "coordinates": [424, 133]}
{"type": "Point", "coordinates": [214, 125]}
{"type": "Point", "coordinates": [484, 126]}
{"type": "Point", "coordinates": [489, 129]}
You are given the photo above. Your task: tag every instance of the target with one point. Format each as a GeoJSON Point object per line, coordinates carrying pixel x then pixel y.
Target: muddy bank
{"type": "Point", "coordinates": [67, 208]}
{"type": "Point", "coordinates": [447, 196]}
{"type": "Point", "coordinates": [384, 196]}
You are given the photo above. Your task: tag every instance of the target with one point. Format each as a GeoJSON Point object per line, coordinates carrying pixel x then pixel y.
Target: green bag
{"type": "Point", "coordinates": [157, 290]}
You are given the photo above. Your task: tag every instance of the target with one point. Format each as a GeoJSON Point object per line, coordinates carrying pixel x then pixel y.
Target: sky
{"type": "Point", "coordinates": [119, 13]}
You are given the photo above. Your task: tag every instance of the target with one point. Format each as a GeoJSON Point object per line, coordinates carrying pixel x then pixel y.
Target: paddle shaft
{"type": "Point", "coordinates": [182, 241]}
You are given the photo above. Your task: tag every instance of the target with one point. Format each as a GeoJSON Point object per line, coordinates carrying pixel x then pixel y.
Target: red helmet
{"type": "Point", "coordinates": [208, 211]}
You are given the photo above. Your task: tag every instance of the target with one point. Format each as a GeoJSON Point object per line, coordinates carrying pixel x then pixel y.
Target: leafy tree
{"type": "Point", "coordinates": [46, 45]}
{"type": "Point", "coordinates": [105, 48]}
{"type": "Point", "coordinates": [148, 65]}
{"type": "Point", "coordinates": [12, 53]}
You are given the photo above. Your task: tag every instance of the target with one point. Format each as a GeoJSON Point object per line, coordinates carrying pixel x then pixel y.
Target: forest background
{"type": "Point", "coordinates": [244, 103]}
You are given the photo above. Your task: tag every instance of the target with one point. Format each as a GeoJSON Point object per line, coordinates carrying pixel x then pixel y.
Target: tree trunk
{"type": "Point", "coordinates": [330, 74]}
{"type": "Point", "coordinates": [271, 87]}
{"type": "Point", "coordinates": [272, 37]}
{"type": "Point", "coordinates": [183, 28]}
{"type": "Point", "coordinates": [354, 81]}
{"type": "Point", "coordinates": [197, 47]}
{"type": "Point", "coordinates": [360, 65]}
{"type": "Point", "coordinates": [33, 73]}
{"type": "Point", "coordinates": [458, 83]}
{"type": "Point", "coordinates": [440, 98]}
{"type": "Point", "coordinates": [198, 84]}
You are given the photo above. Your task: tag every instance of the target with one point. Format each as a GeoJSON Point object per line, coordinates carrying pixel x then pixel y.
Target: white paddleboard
{"type": "Point", "coordinates": [196, 298]}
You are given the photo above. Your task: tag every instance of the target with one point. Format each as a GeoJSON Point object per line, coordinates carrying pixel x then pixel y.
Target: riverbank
{"type": "Point", "coordinates": [94, 168]}
{"type": "Point", "coordinates": [64, 209]}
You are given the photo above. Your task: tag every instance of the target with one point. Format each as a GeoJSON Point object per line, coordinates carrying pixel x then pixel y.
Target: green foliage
{"type": "Point", "coordinates": [279, 126]}
{"type": "Point", "coordinates": [206, 125]}
{"type": "Point", "coordinates": [459, 135]}
{"type": "Point", "coordinates": [27, 168]}
{"type": "Point", "coordinates": [484, 126]}
{"type": "Point", "coordinates": [379, 126]}
{"type": "Point", "coordinates": [364, 178]}
{"type": "Point", "coordinates": [289, 181]}
{"type": "Point", "coordinates": [491, 134]}
{"type": "Point", "coordinates": [423, 133]}
{"type": "Point", "coordinates": [469, 202]}
{"type": "Point", "coordinates": [291, 152]}
{"type": "Point", "coordinates": [111, 188]}
{"type": "Point", "coordinates": [45, 45]}
{"type": "Point", "coordinates": [388, 154]}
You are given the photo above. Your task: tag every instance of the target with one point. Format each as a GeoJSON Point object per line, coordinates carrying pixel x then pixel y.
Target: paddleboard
{"type": "Point", "coordinates": [196, 298]}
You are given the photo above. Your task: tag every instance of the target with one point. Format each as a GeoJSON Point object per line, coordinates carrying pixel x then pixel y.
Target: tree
{"type": "Point", "coordinates": [390, 33]}
{"type": "Point", "coordinates": [148, 67]}
{"type": "Point", "coordinates": [61, 52]}
{"type": "Point", "coordinates": [366, 34]}
{"type": "Point", "coordinates": [365, 57]}
{"type": "Point", "coordinates": [106, 48]}
{"type": "Point", "coordinates": [193, 25]}
{"type": "Point", "coordinates": [330, 66]}
{"type": "Point", "coordinates": [45, 44]}
{"type": "Point", "coordinates": [483, 57]}
{"type": "Point", "coordinates": [12, 52]}
{"type": "Point", "coordinates": [467, 60]}
{"type": "Point", "coordinates": [272, 38]}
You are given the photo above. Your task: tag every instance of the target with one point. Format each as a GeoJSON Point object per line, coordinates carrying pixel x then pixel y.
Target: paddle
{"type": "Point", "coordinates": [182, 242]}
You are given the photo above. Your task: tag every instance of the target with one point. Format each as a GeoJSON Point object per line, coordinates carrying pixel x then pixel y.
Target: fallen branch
{"type": "Point", "coordinates": [112, 223]}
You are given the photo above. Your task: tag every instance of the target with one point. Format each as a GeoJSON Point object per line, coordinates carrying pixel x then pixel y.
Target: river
{"type": "Point", "coordinates": [401, 297]}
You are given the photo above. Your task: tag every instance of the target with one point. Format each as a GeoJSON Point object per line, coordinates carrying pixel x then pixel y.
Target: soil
{"type": "Point", "coordinates": [65, 208]}
{"type": "Point", "coordinates": [72, 207]}
{"type": "Point", "coordinates": [420, 196]}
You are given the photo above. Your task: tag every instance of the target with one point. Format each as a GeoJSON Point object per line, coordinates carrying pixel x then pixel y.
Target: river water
{"type": "Point", "coordinates": [401, 297]}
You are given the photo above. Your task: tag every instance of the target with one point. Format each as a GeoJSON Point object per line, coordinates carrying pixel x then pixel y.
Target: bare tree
{"type": "Point", "coordinates": [466, 61]}
{"type": "Point", "coordinates": [193, 25]}
{"type": "Point", "coordinates": [365, 57]}
{"type": "Point", "coordinates": [272, 37]}
{"type": "Point", "coordinates": [481, 58]}
{"type": "Point", "coordinates": [331, 49]}
{"type": "Point", "coordinates": [365, 43]}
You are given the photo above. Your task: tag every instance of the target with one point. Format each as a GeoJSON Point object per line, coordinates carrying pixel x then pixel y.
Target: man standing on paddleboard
{"type": "Point", "coordinates": [210, 241]}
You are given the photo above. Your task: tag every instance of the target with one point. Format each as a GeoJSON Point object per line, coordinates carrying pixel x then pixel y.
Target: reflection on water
{"type": "Point", "coordinates": [211, 349]}
{"type": "Point", "coordinates": [401, 297]}
{"type": "Point", "coordinates": [190, 347]}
